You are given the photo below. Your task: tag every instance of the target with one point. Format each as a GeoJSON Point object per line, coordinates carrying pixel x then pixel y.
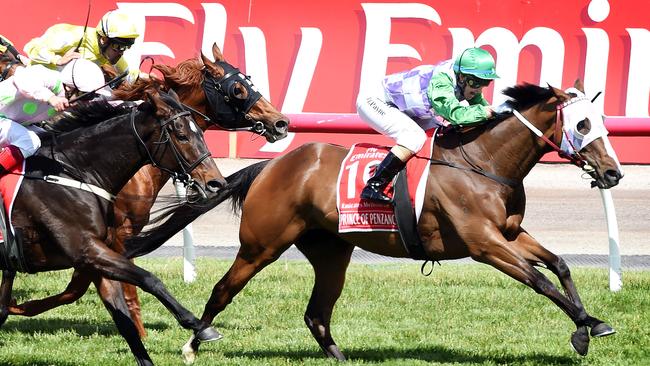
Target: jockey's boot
{"type": "Point", "coordinates": [384, 174]}
{"type": "Point", "coordinates": [10, 156]}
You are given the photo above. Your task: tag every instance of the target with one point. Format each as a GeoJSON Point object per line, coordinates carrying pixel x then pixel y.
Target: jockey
{"type": "Point", "coordinates": [104, 45]}
{"type": "Point", "coordinates": [416, 100]}
{"type": "Point", "coordinates": [33, 94]}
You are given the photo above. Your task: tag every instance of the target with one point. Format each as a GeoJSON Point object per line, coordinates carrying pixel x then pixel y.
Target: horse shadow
{"type": "Point", "coordinates": [81, 327]}
{"type": "Point", "coordinates": [432, 354]}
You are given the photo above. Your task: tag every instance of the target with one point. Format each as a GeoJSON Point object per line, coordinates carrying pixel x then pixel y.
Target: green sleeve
{"type": "Point", "coordinates": [444, 103]}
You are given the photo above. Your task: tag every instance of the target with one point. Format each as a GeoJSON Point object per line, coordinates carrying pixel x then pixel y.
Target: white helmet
{"type": "Point", "coordinates": [84, 75]}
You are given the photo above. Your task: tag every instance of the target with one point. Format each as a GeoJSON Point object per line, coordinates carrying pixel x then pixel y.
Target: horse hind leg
{"type": "Point", "coordinates": [76, 288]}
{"type": "Point", "coordinates": [329, 256]}
{"type": "Point", "coordinates": [535, 253]}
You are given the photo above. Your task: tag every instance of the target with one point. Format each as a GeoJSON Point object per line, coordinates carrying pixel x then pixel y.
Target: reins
{"type": "Point", "coordinates": [186, 167]}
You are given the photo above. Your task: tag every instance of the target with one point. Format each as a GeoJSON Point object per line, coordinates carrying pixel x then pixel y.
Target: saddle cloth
{"type": "Point", "coordinates": [9, 185]}
{"type": "Point", "coordinates": [357, 167]}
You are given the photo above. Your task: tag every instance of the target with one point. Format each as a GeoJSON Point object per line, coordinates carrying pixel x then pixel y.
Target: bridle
{"type": "Point", "coordinates": [183, 175]}
{"type": "Point", "coordinates": [574, 156]}
{"type": "Point", "coordinates": [230, 110]}
{"type": "Point", "coordinates": [11, 64]}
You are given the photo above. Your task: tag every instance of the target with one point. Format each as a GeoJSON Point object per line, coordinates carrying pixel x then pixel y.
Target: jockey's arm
{"type": "Point", "coordinates": [53, 44]}
{"type": "Point", "coordinates": [38, 82]}
{"type": "Point", "coordinates": [443, 101]}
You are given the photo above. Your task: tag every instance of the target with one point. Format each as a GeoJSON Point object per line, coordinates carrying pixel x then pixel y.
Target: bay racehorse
{"type": "Point", "coordinates": [62, 226]}
{"type": "Point", "coordinates": [474, 206]}
{"type": "Point", "coordinates": [218, 95]}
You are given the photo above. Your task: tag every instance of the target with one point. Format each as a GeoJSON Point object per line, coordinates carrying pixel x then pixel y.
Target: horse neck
{"type": "Point", "coordinates": [514, 148]}
{"type": "Point", "coordinates": [194, 97]}
{"type": "Point", "coordinates": [109, 152]}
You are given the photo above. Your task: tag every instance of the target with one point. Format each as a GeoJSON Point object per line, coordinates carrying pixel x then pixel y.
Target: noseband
{"type": "Point", "coordinates": [185, 167]}
{"type": "Point", "coordinates": [230, 110]}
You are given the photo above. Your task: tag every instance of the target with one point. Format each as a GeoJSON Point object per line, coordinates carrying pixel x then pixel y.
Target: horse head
{"type": "Point", "coordinates": [225, 86]}
{"type": "Point", "coordinates": [181, 150]}
{"type": "Point", "coordinates": [585, 137]}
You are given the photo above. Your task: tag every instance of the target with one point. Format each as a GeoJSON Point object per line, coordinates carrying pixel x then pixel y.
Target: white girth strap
{"type": "Point", "coordinates": [80, 185]}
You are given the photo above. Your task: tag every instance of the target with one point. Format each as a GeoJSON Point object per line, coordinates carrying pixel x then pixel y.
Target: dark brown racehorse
{"type": "Point", "coordinates": [292, 200]}
{"type": "Point", "coordinates": [63, 226]}
{"type": "Point", "coordinates": [219, 96]}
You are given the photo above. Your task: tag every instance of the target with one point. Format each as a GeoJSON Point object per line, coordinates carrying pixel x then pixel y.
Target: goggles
{"type": "Point", "coordinates": [119, 47]}
{"type": "Point", "coordinates": [475, 83]}
{"type": "Point", "coordinates": [120, 44]}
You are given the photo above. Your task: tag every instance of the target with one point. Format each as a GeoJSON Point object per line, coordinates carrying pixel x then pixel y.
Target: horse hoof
{"type": "Point", "coordinates": [334, 352]}
{"type": "Point", "coordinates": [208, 334]}
{"type": "Point", "coordinates": [580, 341]}
{"type": "Point", "coordinates": [188, 352]}
{"type": "Point", "coordinates": [602, 330]}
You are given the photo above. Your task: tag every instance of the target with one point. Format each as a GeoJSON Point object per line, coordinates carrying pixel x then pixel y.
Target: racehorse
{"type": "Point", "coordinates": [474, 206]}
{"type": "Point", "coordinates": [63, 227]}
{"type": "Point", "coordinates": [218, 95]}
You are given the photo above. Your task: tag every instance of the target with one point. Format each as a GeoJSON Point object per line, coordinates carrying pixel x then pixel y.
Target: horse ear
{"type": "Point", "coordinates": [216, 52]}
{"type": "Point", "coordinates": [560, 95]}
{"type": "Point", "coordinates": [153, 97]}
{"type": "Point", "coordinates": [173, 94]}
{"type": "Point", "coordinates": [579, 85]}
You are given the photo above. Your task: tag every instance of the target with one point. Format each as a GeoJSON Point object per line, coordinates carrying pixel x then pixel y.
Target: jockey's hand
{"type": "Point", "coordinates": [58, 103]}
{"type": "Point", "coordinates": [69, 56]}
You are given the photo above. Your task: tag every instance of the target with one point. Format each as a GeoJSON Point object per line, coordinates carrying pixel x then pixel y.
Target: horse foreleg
{"type": "Point", "coordinates": [534, 252]}
{"type": "Point", "coordinates": [249, 261]}
{"type": "Point", "coordinates": [330, 257]}
{"type": "Point", "coordinates": [107, 263]}
{"type": "Point", "coordinates": [5, 294]}
{"type": "Point", "coordinates": [76, 288]}
{"type": "Point", "coordinates": [495, 250]}
{"type": "Point", "coordinates": [113, 298]}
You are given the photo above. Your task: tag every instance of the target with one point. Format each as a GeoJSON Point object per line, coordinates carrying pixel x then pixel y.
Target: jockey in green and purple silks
{"type": "Point", "coordinates": [425, 97]}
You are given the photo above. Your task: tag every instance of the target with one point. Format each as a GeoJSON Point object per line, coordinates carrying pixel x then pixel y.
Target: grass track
{"type": "Point", "coordinates": [388, 314]}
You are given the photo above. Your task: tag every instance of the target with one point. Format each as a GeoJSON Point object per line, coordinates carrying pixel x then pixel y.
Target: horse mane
{"type": "Point", "coordinates": [85, 114]}
{"type": "Point", "coordinates": [526, 95]}
{"type": "Point", "coordinates": [187, 73]}
{"type": "Point", "coordinates": [136, 90]}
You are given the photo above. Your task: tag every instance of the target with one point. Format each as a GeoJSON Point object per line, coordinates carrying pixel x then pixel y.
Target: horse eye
{"type": "Point", "coordinates": [584, 126]}
{"type": "Point", "coordinates": [180, 133]}
{"type": "Point", "coordinates": [240, 92]}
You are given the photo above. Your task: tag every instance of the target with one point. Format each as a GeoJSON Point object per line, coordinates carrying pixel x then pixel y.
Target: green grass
{"type": "Point", "coordinates": [388, 314]}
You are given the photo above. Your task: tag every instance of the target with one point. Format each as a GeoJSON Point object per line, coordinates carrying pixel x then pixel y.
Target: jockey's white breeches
{"type": "Point", "coordinates": [386, 119]}
{"type": "Point", "coordinates": [12, 133]}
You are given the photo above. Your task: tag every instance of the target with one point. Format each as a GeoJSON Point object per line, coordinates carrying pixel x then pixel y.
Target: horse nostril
{"type": "Point", "coordinates": [612, 176]}
{"type": "Point", "coordinates": [281, 125]}
{"type": "Point", "coordinates": [215, 185]}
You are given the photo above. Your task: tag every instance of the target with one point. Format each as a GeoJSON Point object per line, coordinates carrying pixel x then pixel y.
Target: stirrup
{"type": "Point", "coordinates": [370, 193]}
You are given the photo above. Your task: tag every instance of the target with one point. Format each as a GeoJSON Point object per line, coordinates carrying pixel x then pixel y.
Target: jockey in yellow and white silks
{"type": "Point", "coordinates": [33, 94]}
{"type": "Point", "coordinates": [104, 45]}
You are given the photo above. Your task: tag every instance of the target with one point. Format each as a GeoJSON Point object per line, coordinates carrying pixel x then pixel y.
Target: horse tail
{"type": "Point", "coordinates": [171, 221]}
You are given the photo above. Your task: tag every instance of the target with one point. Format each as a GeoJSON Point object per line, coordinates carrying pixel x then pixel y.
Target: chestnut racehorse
{"type": "Point", "coordinates": [218, 95]}
{"type": "Point", "coordinates": [474, 206]}
{"type": "Point", "coordinates": [97, 149]}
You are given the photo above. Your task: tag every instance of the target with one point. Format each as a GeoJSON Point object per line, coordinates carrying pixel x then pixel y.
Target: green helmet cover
{"type": "Point", "coordinates": [477, 62]}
